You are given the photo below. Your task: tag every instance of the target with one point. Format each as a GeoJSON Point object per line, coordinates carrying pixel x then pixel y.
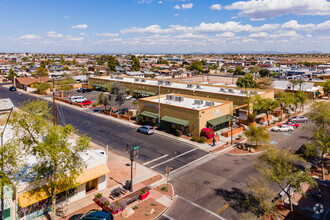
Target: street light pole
{"type": "Point", "coordinates": [158, 105]}
{"type": "Point", "coordinates": [134, 153]}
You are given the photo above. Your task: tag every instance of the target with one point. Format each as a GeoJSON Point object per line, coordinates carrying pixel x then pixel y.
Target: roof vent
{"type": "Point", "coordinates": [168, 83]}
{"type": "Point", "coordinates": [136, 80]}
{"type": "Point", "coordinates": [189, 85]}
{"type": "Point", "coordinates": [160, 82]}
{"type": "Point", "coordinates": [170, 97]}
{"type": "Point", "coordinates": [209, 103]}
{"type": "Point", "coordinates": [231, 90]}
{"type": "Point", "coordinates": [143, 80]}
{"type": "Point", "coordinates": [199, 86]}
{"type": "Point", "coordinates": [179, 98]}
{"type": "Point", "coordinates": [198, 102]}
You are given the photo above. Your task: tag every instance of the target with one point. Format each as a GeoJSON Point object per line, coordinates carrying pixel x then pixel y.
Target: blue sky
{"type": "Point", "coordinates": [164, 26]}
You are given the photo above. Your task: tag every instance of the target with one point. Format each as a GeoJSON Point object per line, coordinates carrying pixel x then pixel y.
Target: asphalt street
{"type": "Point", "coordinates": [223, 180]}
{"type": "Point", "coordinates": [156, 151]}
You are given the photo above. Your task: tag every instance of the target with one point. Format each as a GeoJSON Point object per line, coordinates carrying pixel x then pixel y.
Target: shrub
{"type": "Point", "coordinates": [106, 203]}
{"type": "Point", "coordinates": [135, 207]}
{"type": "Point", "coordinates": [202, 140]}
{"type": "Point", "coordinates": [143, 191]}
{"type": "Point", "coordinates": [164, 188]}
{"type": "Point", "coordinates": [195, 138]}
{"type": "Point", "coordinates": [99, 195]}
{"type": "Point", "coordinates": [207, 132]}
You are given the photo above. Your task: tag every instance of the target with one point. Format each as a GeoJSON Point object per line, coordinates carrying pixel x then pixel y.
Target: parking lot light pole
{"type": "Point", "coordinates": [6, 105]}
{"type": "Point", "coordinates": [232, 120]}
{"type": "Point", "coordinates": [134, 153]}
{"type": "Point", "coordinates": [158, 105]}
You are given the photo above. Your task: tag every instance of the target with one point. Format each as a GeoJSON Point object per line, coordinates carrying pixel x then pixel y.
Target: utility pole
{"type": "Point", "coordinates": [134, 153]}
{"type": "Point", "coordinates": [158, 105]}
{"type": "Point", "coordinates": [54, 121]}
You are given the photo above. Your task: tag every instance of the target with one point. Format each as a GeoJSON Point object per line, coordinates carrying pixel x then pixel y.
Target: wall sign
{"type": "Point", "coordinates": [151, 106]}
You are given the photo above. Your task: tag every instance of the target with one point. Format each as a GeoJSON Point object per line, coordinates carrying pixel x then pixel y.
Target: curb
{"type": "Point", "coordinates": [160, 214]}
{"type": "Point", "coordinates": [250, 154]}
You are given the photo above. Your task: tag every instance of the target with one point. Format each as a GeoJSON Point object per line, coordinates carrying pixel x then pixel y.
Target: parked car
{"type": "Point", "coordinates": [93, 215]}
{"type": "Point", "coordinates": [12, 88]}
{"type": "Point", "coordinates": [290, 123]}
{"type": "Point", "coordinates": [100, 151]}
{"type": "Point", "coordinates": [282, 128]}
{"type": "Point", "coordinates": [77, 99]}
{"type": "Point", "coordinates": [129, 97]}
{"type": "Point", "coordinates": [146, 129]}
{"type": "Point", "coordinates": [122, 111]}
{"type": "Point", "coordinates": [87, 102]}
{"type": "Point", "coordinates": [83, 90]}
{"type": "Point", "coordinates": [296, 119]}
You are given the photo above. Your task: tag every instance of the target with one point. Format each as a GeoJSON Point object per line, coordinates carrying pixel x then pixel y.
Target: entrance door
{"type": "Point", "coordinates": [91, 185]}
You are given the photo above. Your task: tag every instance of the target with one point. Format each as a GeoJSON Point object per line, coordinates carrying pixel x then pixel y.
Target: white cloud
{"type": "Point", "coordinates": [226, 35]}
{"type": "Point", "coordinates": [215, 7]}
{"type": "Point", "coordinates": [257, 19]}
{"type": "Point", "coordinates": [294, 25]}
{"type": "Point", "coordinates": [308, 35]}
{"type": "Point", "coordinates": [160, 2]}
{"type": "Point", "coordinates": [75, 38]}
{"type": "Point", "coordinates": [191, 36]}
{"type": "Point", "coordinates": [80, 26]}
{"type": "Point", "coordinates": [223, 27]}
{"type": "Point", "coordinates": [53, 34]}
{"type": "Point", "coordinates": [259, 34]}
{"type": "Point", "coordinates": [176, 14]}
{"type": "Point", "coordinates": [187, 6]}
{"type": "Point", "coordinates": [144, 1]}
{"type": "Point", "coordinates": [234, 17]}
{"type": "Point", "coordinates": [83, 34]}
{"type": "Point", "coordinates": [284, 34]}
{"type": "Point", "coordinates": [106, 35]}
{"type": "Point", "coordinates": [66, 17]}
{"type": "Point", "coordinates": [29, 37]}
{"type": "Point", "coordinates": [177, 7]}
{"type": "Point", "coordinates": [275, 8]}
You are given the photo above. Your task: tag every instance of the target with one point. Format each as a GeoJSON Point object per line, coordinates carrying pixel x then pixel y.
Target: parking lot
{"type": "Point", "coordinates": [94, 97]}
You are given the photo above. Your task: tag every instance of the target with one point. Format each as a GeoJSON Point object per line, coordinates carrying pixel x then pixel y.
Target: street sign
{"type": "Point", "coordinates": [168, 170]}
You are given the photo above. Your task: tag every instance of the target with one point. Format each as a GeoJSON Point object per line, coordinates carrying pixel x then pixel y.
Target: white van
{"type": "Point", "coordinates": [77, 99]}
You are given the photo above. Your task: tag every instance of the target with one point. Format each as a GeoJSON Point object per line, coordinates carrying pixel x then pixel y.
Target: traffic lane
{"type": "Point", "coordinates": [292, 140]}
{"type": "Point", "coordinates": [216, 183]}
{"type": "Point", "coordinates": [108, 132]}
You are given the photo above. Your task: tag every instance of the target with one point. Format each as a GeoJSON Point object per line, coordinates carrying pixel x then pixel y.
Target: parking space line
{"type": "Point", "coordinates": [222, 209]}
{"type": "Point", "coordinates": [173, 158]}
{"type": "Point", "coordinates": [158, 158]}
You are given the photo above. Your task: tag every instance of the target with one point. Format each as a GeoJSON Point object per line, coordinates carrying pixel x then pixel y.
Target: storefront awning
{"type": "Point", "coordinates": [98, 85]}
{"type": "Point", "coordinates": [44, 192]}
{"type": "Point", "coordinates": [149, 114]}
{"type": "Point", "coordinates": [177, 121]}
{"type": "Point", "coordinates": [219, 120]}
{"type": "Point", "coordinates": [144, 92]}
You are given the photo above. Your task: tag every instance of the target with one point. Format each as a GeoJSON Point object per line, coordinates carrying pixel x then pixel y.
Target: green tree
{"type": "Point", "coordinates": [59, 160]}
{"type": "Point", "coordinates": [326, 87]}
{"type": "Point", "coordinates": [255, 69]}
{"type": "Point", "coordinates": [136, 64]}
{"type": "Point", "coordinates": [246, 82]}
{"type": "Point", "coordinates": [230, 70]}
{"type": "Point", "coordinates": [264, 72]}
{"type": "Point", "coordinates": [266, 105]}
{"type": "Point", "coordinates": [62, 60]}
{"type": "Point", "coordinates": [301, 98]}
{"type": "Point", "coordinates": [111, 61]}
{"type": "Point", "coordinates": [12, 74]}
{"type": "Point", "coordinates": [279, 167]}
{"type": "Point", "coordinates": [256, 135]}
{"type": "Point", "coordinates": [238, 70]}
{"type": "Point", "coordinates": [65, 68]}
{"type": "Point", "coordinates": [294, 83]}
{"type": "Point", "coordinates": [196, 66]}
{"type": "Point", "coordinates": [162, 61]}
{"type": "Point", "coordinates": [40, 71]}
{"type": "Point", "coordinates": [100, 99]}
{"type": "Point", "coordinates": [25, 59]}
{"type": "Point", "coordinates": [41, 87]}
{"type": "Point", "coordinates": [66, 84]}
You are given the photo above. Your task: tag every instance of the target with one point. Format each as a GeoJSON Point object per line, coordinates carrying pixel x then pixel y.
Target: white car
{"type": "Point", "coordinates": [77, 99]}
{"type": "Point", "coordinates": [147, 129]}
{"type": "Point", "coordinates": [129, 97]}
{"type": "Point", "coordinates": [282, 128]}
{"type": "Point", "coordinates": [100, 151]}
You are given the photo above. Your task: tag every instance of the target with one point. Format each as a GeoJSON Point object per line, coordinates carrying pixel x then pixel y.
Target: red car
{"type": "Point", "coordinates": [87, 102]}
{"type": "Point", "coordinates": [289, 123]}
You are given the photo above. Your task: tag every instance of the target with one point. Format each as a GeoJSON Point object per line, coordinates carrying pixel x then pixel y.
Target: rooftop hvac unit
{"type": "Point", "coordinates": [136, 80]}
{"type": "Point", "coordinates": [209, 103]}
{"type": "Point", "coordinates": [242, 91]}
{"type": "Point", "coordinates": [160, 82]}
{"type": "Point", "coordinates": [189, 85]}
{"type": "Point", "coordinates": [254, 92]}
{"type": "Point", "coordinates": [199, 86]}
{"type": "Point", "coordinates": [222, 90]}
{"type": "Point", "coordinates": [198, 102]}
{"type": "Point", "coordinates": [179, 98]}
{"type": "Point", "coordinates": [111, 77]}
{"type": "Point", "coordinates": [231, 90]}
{"type": "Point", "coordinates": [170, 97]}
{"type": "Point", "coordinates": [143, 80]}
{"type": "Point", "coordinates": [168, 83]}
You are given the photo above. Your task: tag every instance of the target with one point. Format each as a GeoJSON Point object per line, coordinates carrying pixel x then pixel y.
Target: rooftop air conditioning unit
{"type": "Point", "coordinates": [189, 85]}
{"type": "Point", "coordinates": [143, 80]}
{"type": "Point", "coordinates": [136, 80]}
{"type": "Point", "coordinates": [160, 82]}
{"type": "Point", "coordinates": [199, 86]}
{"type": "Point", "coordinates": [179, 98]}
{"type": "Point", "coordinates": [168, 83]}
{"type": "Point", "coordinates": [222, 90]}
{"type": "Point", "coordinates": [111, 77]}
{"type": "Point", "coordinates": [231, 90]}
{"type": "Point", "coordinates": [198, 102]}
{"type": "Point", "coordinates": [209, 103]}
{"type": "Point", "coordinates": [254, 92]}
{"type": "Point", "coordinates": [242, 91]}
{"type": "Point", "coordinates": [170, 97]}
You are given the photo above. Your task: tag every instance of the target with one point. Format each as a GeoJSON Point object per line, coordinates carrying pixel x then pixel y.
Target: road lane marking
{"type": "Point", "coordinates": [201, 207]}
{"type": "Point", "coordinates": [173, 158]}
{"type": "Point", "coordinates": [222, 209]}
{"type": "Point", "coordinates": [158, 158]}
{"type": "Point", "coordinates": [168, 217]}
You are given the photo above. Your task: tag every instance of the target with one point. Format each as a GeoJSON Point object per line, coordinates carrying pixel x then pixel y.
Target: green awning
{"type": "Point", "coordinates": [137, 91]}
{"type": "Point", "coordinates": [219, 120]}
{"type": "Point", "coordinates": [150, 93]}
{"type": "Point", "coordinates": [149, 114]}
{"type": "Point", "coordinates": [98, 85]}
{"type": "Point", "coordinates": [144, 92]}
{"type": "Point", "coordinates": [175, 121]}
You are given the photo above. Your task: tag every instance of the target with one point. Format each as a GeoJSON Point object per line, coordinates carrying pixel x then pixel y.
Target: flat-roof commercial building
{"type": "Point", "coordinates": [189, 114]}
{"type": "Point", "coordinates": [148, 87]}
